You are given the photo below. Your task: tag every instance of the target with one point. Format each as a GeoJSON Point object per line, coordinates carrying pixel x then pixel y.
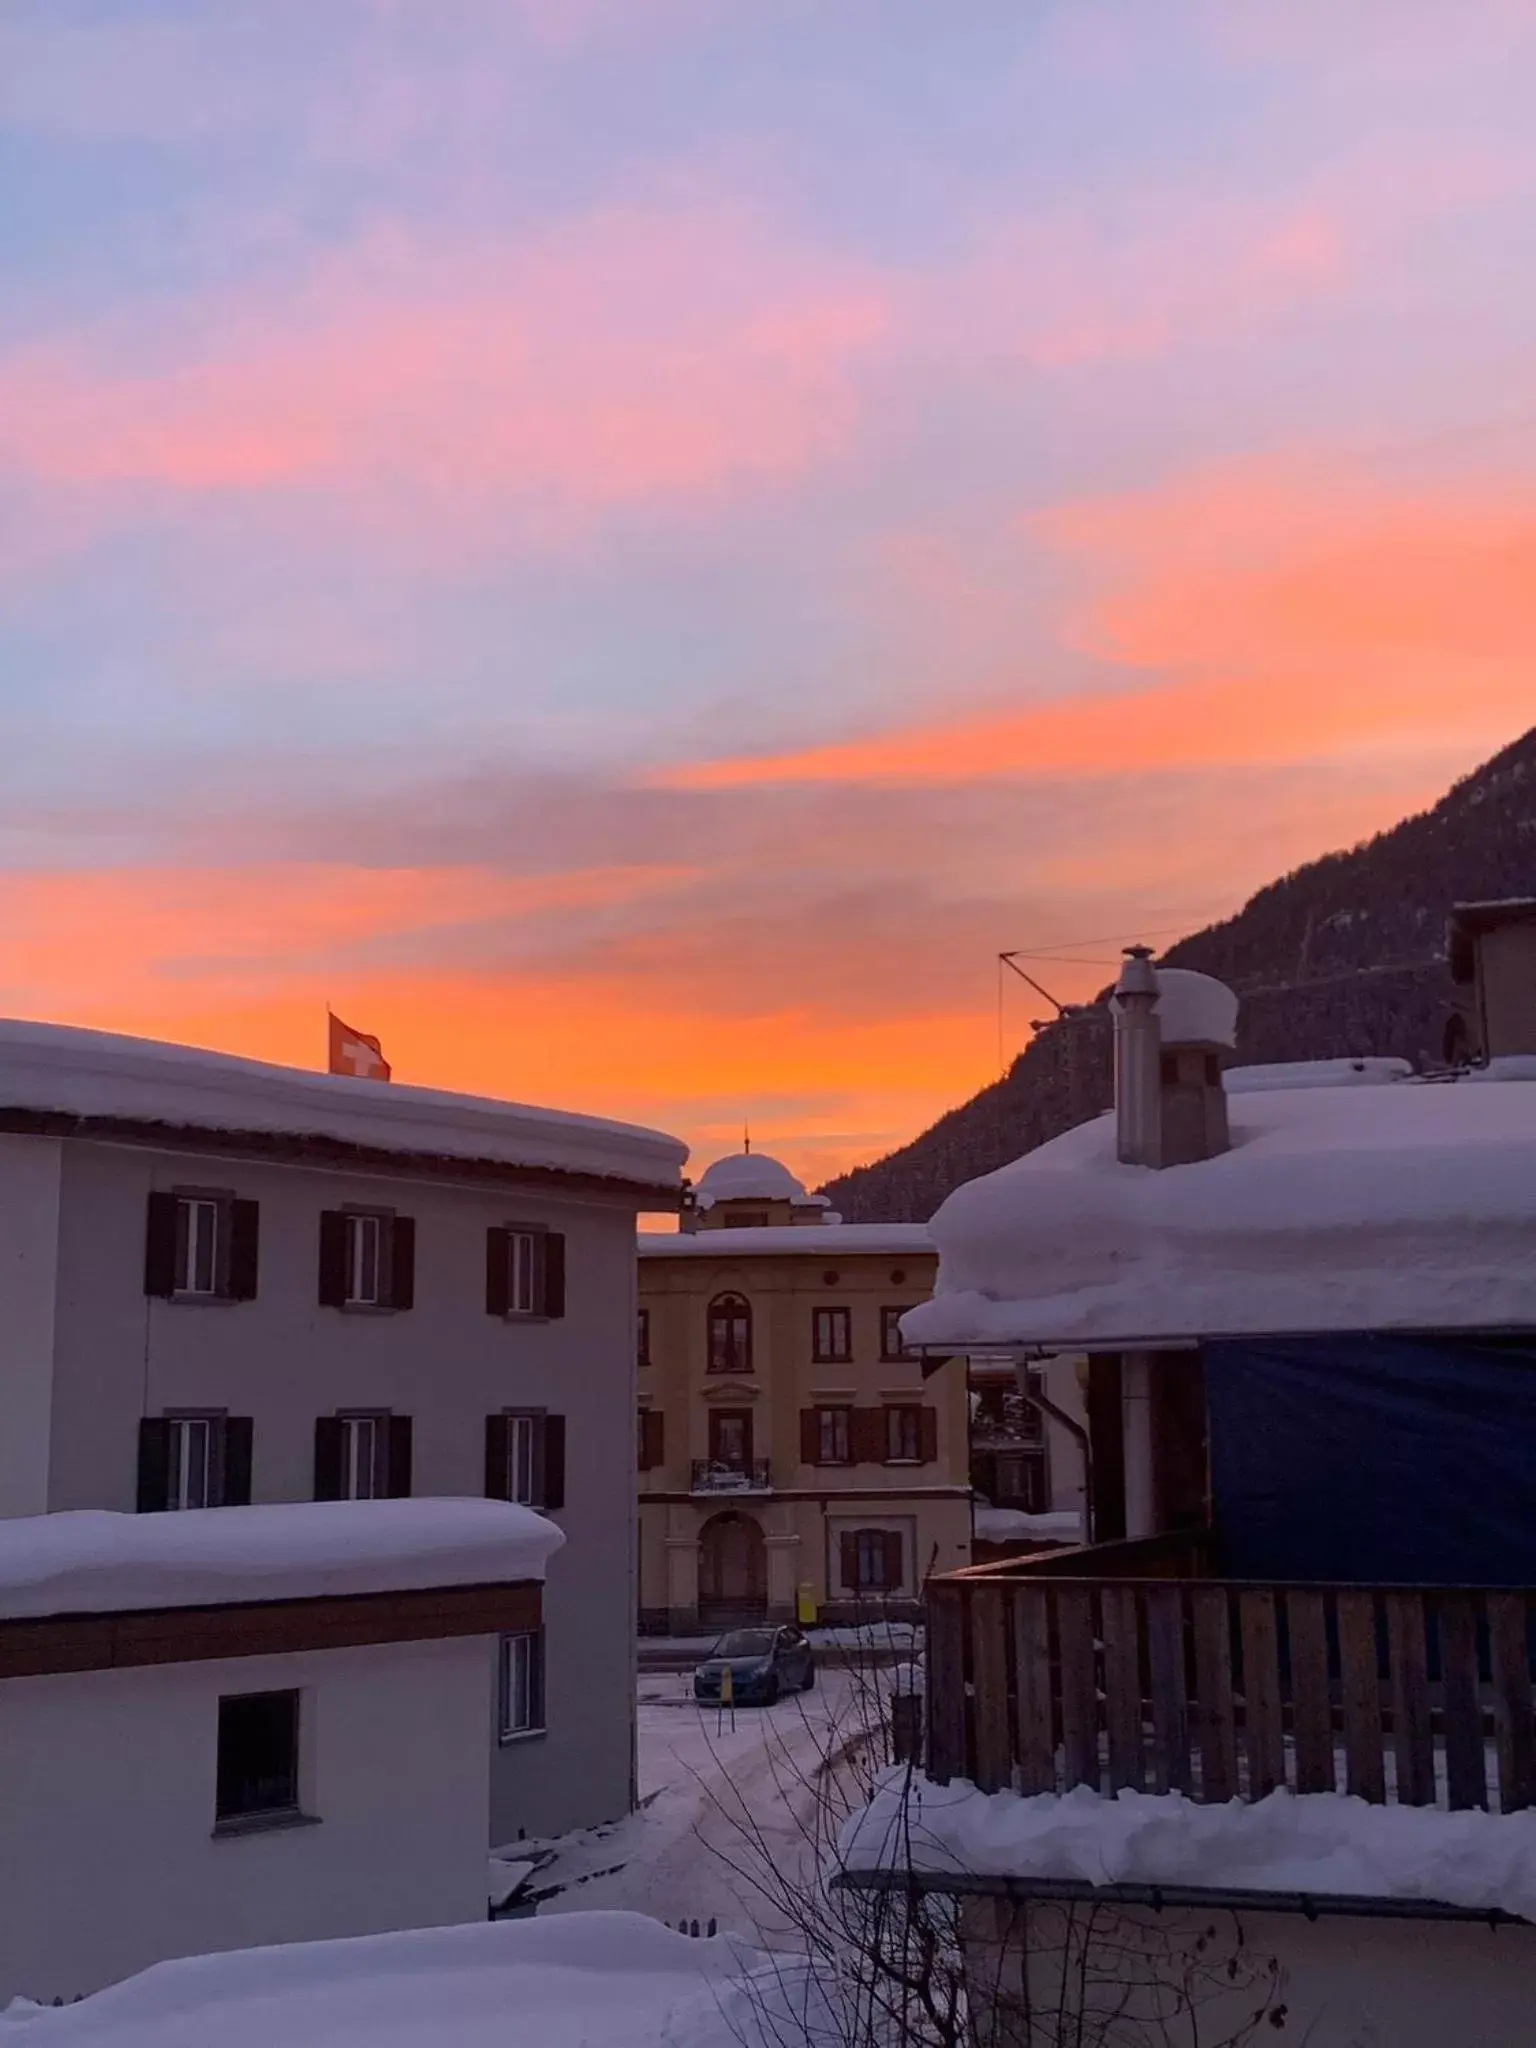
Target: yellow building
{"type": "Point", "coordinates": [790, 1452]}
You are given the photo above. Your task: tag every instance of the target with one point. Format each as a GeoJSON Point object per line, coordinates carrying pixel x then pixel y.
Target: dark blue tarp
{"type": "Point", "coordinates": [1376, 1459]}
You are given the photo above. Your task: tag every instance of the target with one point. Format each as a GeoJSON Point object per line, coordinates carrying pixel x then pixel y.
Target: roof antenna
{"type": "Point", "coordinates": [746, 1137]}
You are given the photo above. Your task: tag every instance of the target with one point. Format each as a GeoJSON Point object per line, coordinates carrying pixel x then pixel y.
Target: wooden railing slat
{"type": "Point", "coordinates": [1079, 1692]}
{"type": "Point", "coordinates": [1172, 1769]}
{"type": "Point", "coordinates": [1511, 1667]}
{"type": "Point", "coordinates": [989, 1676]}
{"type": "Point", "coordinates": [1263, 1734]}
{"type": "Point", "coordinates": [1360, 1679]}
{"type": "Point", "coordinates": [1413, 1745]}
{"type": "Point", "coordinates": [1215, 1718]}
{"type": "Point", "coordinates": [1122, 1687]}
{"type": "Point", "coordinates": [945, 1667]}
{"type": "Point", "coordinates": [1311, 1699]}
{"type": "Point", "coordinates": [1466, 1766]}
{"type": "Point", "coordinates": [1036, 1739]}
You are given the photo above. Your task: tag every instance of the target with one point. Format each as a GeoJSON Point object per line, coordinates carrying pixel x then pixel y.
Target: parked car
{"type": "Point", "coordinates": [763, 1662]}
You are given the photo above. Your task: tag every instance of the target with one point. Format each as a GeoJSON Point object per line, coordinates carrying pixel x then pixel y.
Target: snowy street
{"type": "Point", "coordinates": [724, 1809]}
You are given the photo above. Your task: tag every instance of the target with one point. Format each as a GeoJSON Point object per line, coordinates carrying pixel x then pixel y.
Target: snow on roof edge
{"type": "Point", "coordinates": [62, 1069]}
{"type": "Point", "coordinates": [805, 1240]}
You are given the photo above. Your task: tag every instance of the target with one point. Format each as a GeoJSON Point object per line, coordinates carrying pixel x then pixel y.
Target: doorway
{"type": "Point", "coordinates": [733, 1574]}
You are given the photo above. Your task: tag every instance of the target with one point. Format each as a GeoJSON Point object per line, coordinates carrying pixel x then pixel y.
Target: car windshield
{"type": "Point", "coordinates": [745, 1642]}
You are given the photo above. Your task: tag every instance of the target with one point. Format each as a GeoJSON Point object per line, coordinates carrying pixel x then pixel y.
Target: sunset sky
{"type": "Point", "coordinates": [631, 545]}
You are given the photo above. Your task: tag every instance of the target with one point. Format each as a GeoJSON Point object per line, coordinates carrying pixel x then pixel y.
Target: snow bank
{"type": "Point", "coordinates": [1194, 1009]}
{"type": "Point", "coordinates": [94, 1562]}
{"type": "Point", "coordinates": [53, 1067]}
{"type": "Point", "coordinates": [1012, 1525]}
{"type": "Point", "coordinates": [1316, 1844]}
{"type": "Point", "coordinates": [810, 1240]}
{"type": "Point", "coordinates": [1411, 1206]}
{"type": "Point", "coordinates": [1345, 1073]}
{"type": "Point", "coordinates": [589, 1980]}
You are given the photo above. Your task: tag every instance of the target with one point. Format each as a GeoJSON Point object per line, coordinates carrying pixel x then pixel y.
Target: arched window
{"type": "Point", "coordinates": [730, 1334]}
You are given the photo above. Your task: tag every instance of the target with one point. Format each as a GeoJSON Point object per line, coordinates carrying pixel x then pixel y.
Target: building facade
{"type": "Point", "coordinates": [793, 1456]}
{"type": "Point", "coordinates": [223, 1282]}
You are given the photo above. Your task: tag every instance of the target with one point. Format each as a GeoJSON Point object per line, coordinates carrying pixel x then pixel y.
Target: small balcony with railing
{"type": "Point", "coordinates": [1137, 1665]}
{"type": "Point", "coordinates": [727, 1476]}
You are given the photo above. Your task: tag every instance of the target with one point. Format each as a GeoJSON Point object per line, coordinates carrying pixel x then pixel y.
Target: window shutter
{"type": "Point", "coordinates": [154, 1488]}
{"type": "Point", "coordinates": [866, 1436]}
{"type": "Point", "coordinates": [536, 1680]}
{"type": "Point", "coordinates": [848, 1570]}
{"type": "Point", "coordinates": [554, 1461]}
{"type": "Point", "coordinates": [160, 1247]}
{"type": "Point", "coordinates": [333, 1270]}
{"type": "Point", "coordinates": [554, 1273]}
{"type": "Point", "coordinates": [498, 1276]}
{"type": "Point", "coordinates": [328, 1457]}
{"type": "Point", "coordinates": [653, 1432]}
{"type": "Point", "coordinates": [238, 1433]}
{"type": "Point", "coordinates": [398, 1475]}
{"type": "Point", "coordinates": [244, 1238]}
{"type": "Point", "coordinates": [497, 1435]}
{"type": "Point", "coordinates": [402, 1262]}
{"type": "Point", "coordinates": [928, 1434]}
{"type": "Point", "coordinates": [892, 1560]}
{"type": "Point", "coordinates": [810, 1437]}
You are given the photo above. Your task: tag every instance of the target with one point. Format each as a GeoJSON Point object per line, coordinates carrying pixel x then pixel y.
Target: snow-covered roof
{"type": "Point", "coordinates": [1346, 1073]}
{"type": "Point", "coordinates": [90, 1561]}
{"type": "Point", "coordinates": [806, 1241]}
{"type": "Point", "coordinates": [1195, 1009]}
{"type": "Point", "coordinates": [752, 1177]}
{"type": "Point", "coordinates": [1317, 1844]}
{"type": "Point", "coordinates": [1407, 1206]}
{"type": "Point", "coordinates": [55, 1068]}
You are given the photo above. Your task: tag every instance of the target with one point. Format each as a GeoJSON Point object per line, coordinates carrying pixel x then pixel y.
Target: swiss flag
{"type": "Point", "coordinates": [354, 1052]}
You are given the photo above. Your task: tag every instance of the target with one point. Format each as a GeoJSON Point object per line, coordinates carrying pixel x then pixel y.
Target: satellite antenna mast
{"type": "Point", "coordinates": [1011, 960]}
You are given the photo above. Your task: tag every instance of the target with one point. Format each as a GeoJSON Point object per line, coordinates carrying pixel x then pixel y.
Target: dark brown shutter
{"type": "Point", "coordinates": [810, 1436]}
{"type": "Point", "coordinates": [497, 1434]}
{"type": "Point", "coordinates": [498, 1275]}
{"type": "Point", "coordinates": [928, 1434]}
{"type": "Point", "coordinates": [244, 1241]}
{"type": "Point", "coordinates": [653, 1436]}
{"type": "Point", "coordinates": [238, 1434]}
{"type": "Point", "coordinates": [866, 1436]}
{"type": "Point", "coordinates": [553, 1290]}
{"type": "Point", "coordinates": [328, 1457]}
{"type": "Point", "coordinates": [154, 1489]}
{"type": "Point", "coordinates": [554, 1461]}
{"type": "Point", "coordinates": [848, 1547]}
{"type": "Point", "coordinates": [398, 1475]}
{"type": "Point", "coordinates": [160, 1247]}
{"type": "Point", "coordinates": [402, 1262]}
{"type": "Point", "coordinates": [333, 1270]}
{"type": "Point", "coordinates": [892, 1560]}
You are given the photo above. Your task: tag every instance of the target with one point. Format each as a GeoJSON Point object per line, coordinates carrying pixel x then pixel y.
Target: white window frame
{"type": "Point", "coordinates": [366, 1242]}
{"type": "Point", "coordinates": [866, 1538]}
{"type": "Point", "coordinates": [364, 1449]}
{"type": "Point", "coordinates": [838, 1320]}
{"type": "Point", "coordinates": [521, 1705]}
{"type": "Point", "coordinates": [525, 1453]}
{"type": "Point", "coordinates": [523, 1277]}
{"type": "Point", "coordinates": [203, 1218]}
{"type": "Point", "coordinates": [182, 1468]}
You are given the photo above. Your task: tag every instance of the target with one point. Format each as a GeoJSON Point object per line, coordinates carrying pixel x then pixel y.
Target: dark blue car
{"type": "Point", "coordinates": [763, 1663]}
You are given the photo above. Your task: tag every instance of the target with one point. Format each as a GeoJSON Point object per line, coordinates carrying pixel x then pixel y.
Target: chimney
{"type": "Point", "coordinates": [1174, 1031]}
{"type": "Point", "coordinates": [1491, 948]}
{"type": "Point", "coordinates": [1138, 1042]}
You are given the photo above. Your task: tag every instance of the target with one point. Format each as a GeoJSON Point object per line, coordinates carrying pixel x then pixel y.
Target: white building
{"type": "Point", "coordinates": [224, 1282]}
{"type": "Point", "coordinates": [263, 1725]}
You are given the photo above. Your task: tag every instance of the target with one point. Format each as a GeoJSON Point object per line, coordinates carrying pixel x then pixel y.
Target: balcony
{"type": "Point", "coordinates": [1128, 1665]}
{"type": "Point", "coordinates": [712, 1475]}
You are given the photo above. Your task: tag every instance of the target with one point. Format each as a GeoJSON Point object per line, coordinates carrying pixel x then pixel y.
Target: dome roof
{"type": "Point", "coordinates": [752, 1177]}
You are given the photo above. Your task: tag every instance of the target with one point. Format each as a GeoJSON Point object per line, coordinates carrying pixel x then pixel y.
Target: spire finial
{"type": "Point", "coordinates": [746, 1137]}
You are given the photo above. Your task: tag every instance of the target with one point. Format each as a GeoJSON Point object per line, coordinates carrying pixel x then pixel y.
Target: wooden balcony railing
{"type": "Point", "coordinates": [1041, 1678]}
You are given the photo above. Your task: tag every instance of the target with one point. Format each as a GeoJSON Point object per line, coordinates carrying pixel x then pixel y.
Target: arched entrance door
{"type": "Point", "coordinates": [733, 1572]}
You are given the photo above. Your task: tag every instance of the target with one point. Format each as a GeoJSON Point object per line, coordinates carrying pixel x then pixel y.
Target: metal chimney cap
{"type": "Point", "coordinates": [1138, 977]}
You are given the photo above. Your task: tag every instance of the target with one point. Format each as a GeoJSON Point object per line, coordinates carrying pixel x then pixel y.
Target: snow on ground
{"type": "Point", "coordinates": [1317, 1843]}
{"type": "Point", "coordinates": [896, 1637]}
{"type": "Point", "coordinates": [90, 1561]}
{"type": "Point", "coordinates": [724, 1808]}
{"type": "Point", "coordinates": [605, 1980]}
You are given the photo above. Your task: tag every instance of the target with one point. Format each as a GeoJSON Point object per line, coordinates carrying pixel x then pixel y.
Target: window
{"type": "Point", "coordinates": [524, 1271]}
{"type": "Point", "coordinates": [730, 1334]}
{"type": "Point", "coordinates": [832, 1436]}
{"type": "Point", "coordinates": [525, 1457]}
{"type": "Point", "coordinates": [903, 1436]}
{"type": "Point", "coordinates": [891, 1346]}
{"type": "Point", "coordinates": [365, 1261]}
{"type": "Point", "coordinates": [200, 1245]}
{"type": "Point", "coordinates": [831, 1335]}
{"type": "Point", "coordinates": [522, 1685]}
{"type": "Point", "coordinates": [730, 1438]}
{"type": "Point", "coordinates": [643, 1338]}
{"type": "Point", "coordinates": [871, 1560]}
{"type": "Point", "coordinates": [193, 1480]}
{"type": "Point", "coordinates": [362, 1457]}
{"type": "Point", "coordinates": [258, 1766]}
{"type": "Point", "coordinates": [194, 1461]}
